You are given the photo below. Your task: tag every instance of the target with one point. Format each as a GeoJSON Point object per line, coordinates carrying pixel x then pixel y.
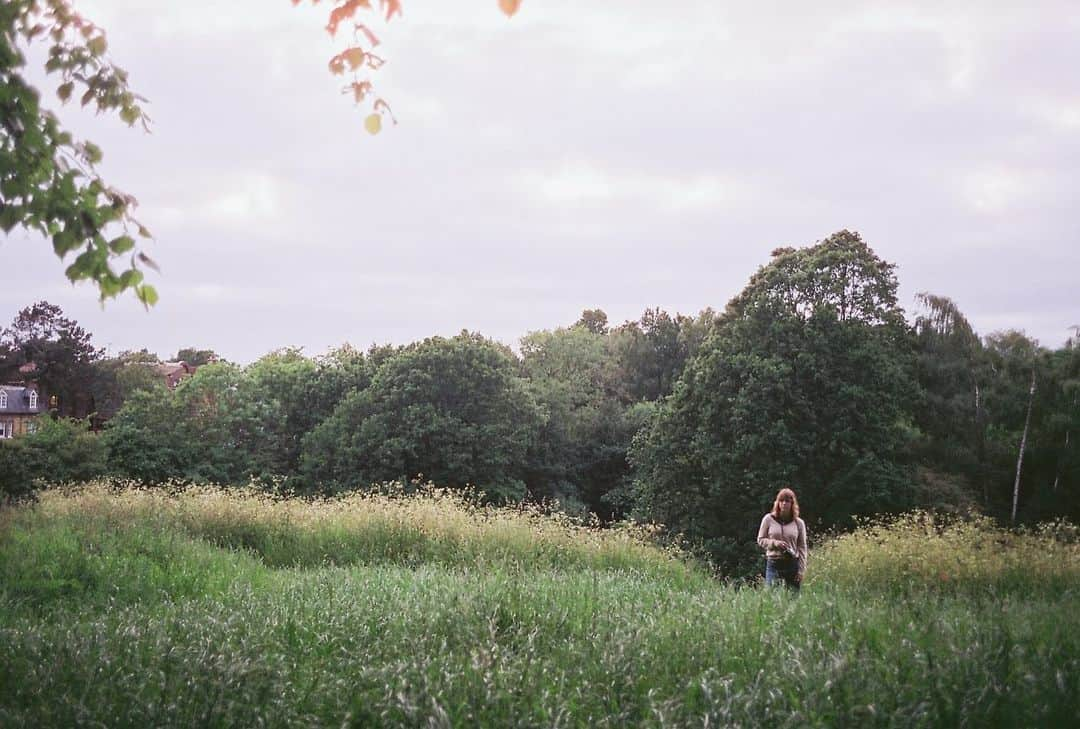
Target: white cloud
{"type": "Point", "coordinates": [251, 201]}
{"type": "Point", "coordinates": [585, 183]}
{"type": "Point", "coordinates": [999, 190]}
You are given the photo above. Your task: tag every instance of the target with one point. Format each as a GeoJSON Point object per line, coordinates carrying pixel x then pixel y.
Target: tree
{"type": "Point", "coordinates": [196, 357]}
{"type": "Point", "coordinates": [203, 431]}
{"type": "Point", "coordinates": [953, 372]}
{"type": "Point", "coordinates": [453, 410]}
{"type": "Point", "coordinates": [593, 320]}
{"type": "Point", "coordinates": [653, 351]}
{"type": "Point", "coordinates": [115, 379]}
{"type": "Point", "coordinates": [48, 179]}
{"type": "Point", "coordinates": [43, 345]}
{"type": "Point", "coordinates": [288, 395]}
{"type": "Point", "coordinates": [579, 456]}
{"type": "Point", "coordinates": [58, 451]}
{"type": "Point", "coordinates": [805, 382]}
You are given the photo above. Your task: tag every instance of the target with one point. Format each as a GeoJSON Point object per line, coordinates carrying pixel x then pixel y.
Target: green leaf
{"type": "Point", "coordinates": [64, 242]}
{"type": "Point", "coordinates": [10, 216]}
{"type": "Point", "coordinates": [122, 244]}
{"type": "Point", "coordinates": [146, 294]}
{"type": "Point", "coordinates": [130, 278]}
{"type": "Point", "coordinates": [83, 266]}
{"type": "Point", "coordinates": [93, 152]}
{"type": "Point", "coordinates": [109, 285]}
{"type": "Point", "coordinates": [97, 45]}
{"type": "Point", "coordinates": [130, 114]}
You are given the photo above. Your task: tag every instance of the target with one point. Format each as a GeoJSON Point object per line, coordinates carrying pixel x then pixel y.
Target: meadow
{"type": "Point", "coordinates": [122, 606]}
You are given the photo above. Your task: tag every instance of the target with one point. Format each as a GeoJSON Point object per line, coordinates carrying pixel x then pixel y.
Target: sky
{"type": "Point", "coordinates": [612, 154]}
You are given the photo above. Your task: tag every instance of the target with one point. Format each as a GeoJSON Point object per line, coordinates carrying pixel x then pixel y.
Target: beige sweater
{"type": "Point", "coordinates": [776, 537]}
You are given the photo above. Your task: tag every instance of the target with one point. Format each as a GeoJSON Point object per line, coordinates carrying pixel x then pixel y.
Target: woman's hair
{"type": "Point", "coordinates": [786, 494]}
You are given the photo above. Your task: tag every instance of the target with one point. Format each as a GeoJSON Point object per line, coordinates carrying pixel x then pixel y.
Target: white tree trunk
{"type": "Point", "coordinates": [1057, 476]}
{"type": "Point", "coordinates": [1023, 444]}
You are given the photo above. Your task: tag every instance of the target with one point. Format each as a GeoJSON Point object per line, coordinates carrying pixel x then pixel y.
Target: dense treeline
{"type": "Point", "coordinates": [812, 376]}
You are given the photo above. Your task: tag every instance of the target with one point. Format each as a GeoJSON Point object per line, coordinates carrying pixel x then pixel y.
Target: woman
{"type": "Point", "coordinates": [783, 537]}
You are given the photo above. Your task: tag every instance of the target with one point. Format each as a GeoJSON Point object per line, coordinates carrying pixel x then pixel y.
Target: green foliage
{"type": "Point", "coordinates": [923, 553]}
{"type": "Point", "coordinates": [806, 382]}
{"type": "Point", "coordinates": [392, 525]}
{"type": "Point", "coordinates": [58, 451]}
{"type": "Point", "coordinates": [111, 590]}
{"type": "Point", "coordinates": [48, 180]}
{"type": "Point", "coordinates": [115, 379]}
{"type": "Point", "coordinates": [58, 353]}
{"type": "Point", "coordinates": [195, 357]}
{"type": "Point", "coordinates": [653, 351]}
{"type": "Point", "coordinates": [580, 452]}
{"type": "Point", "coordinates": [453, 410]}
{"type": "Point", "coordinates": [191, 432]}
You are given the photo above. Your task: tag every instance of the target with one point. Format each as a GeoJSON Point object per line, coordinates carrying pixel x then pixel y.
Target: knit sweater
{"type": "Point", "coordinates": [776, 537]}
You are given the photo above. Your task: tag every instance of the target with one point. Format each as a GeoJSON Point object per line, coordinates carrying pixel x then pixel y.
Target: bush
{"type": "Point", "coordinates": [949, 555]}
{"type": "Point", "coordinates": [62, 450]}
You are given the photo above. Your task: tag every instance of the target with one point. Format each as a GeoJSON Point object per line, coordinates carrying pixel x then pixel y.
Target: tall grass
{"type": "Point", "coordinates": [972, 556]}
{"type": "Point", "coordinates": [431, 525]}
{"type": "Point", "coordinates": [190, 609]}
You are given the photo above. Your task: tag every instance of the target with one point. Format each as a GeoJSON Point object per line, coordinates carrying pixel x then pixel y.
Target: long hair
{"type": "Point", "coordinates": [786, 493]}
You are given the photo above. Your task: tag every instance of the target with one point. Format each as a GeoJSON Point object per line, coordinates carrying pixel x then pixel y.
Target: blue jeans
{"type": "Point", "coordinates": [782, 571]}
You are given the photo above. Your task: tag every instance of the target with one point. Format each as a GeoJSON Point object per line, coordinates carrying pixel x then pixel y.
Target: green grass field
{"type": "Point", "coordinates": [124, 607]}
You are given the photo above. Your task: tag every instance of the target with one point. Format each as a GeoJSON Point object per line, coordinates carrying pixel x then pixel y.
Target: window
{"type": "Point", "coordinates": [7, 428]}
{"type": "Point", "coordinates": [31, 427]}
{"type": "Point", "coordinates": [3, 398]}
{"type": "Point", "coordinates": [33, 399]}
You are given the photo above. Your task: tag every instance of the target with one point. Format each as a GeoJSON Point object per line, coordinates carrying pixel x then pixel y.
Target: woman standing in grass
{"type": "Point", "coordinates": [783, 537]}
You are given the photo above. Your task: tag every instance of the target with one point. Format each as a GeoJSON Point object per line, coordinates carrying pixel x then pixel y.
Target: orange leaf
{"type": "Point", "coordinates": [368, 34]}
{"type": "Point", "coordinates": [393, 7]}
{"type": "Point", "coordinates": [354, 57]}
{"type": "Point", "coordinates": [343, 12]}
{"type": "Point", "coordinates": [359, 89]}
{"type": "Point", "coordinates": [509, 6]}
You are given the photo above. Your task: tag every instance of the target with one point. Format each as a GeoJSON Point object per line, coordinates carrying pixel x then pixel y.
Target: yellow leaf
{"type": "Point", "coordinates": [373, 123]}
{"type": "Point", "coordinates": [509, 6]}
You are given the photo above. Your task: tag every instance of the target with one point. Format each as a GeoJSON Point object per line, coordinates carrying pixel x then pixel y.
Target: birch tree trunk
{"type": "Point", "coordinates": [1065, 451]}
{"type": "Point", "coordinates": [980, 444]}
{"type": "Point", "coordinates": [1023, 444]}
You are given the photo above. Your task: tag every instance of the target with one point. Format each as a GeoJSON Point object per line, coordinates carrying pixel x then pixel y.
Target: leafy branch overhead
{"type": "Point", "coordinates": [359, 60]}
{"type": "Point", "coordinates": [49, 181]}
{"type": "Point", "coordinates": [48, 178]}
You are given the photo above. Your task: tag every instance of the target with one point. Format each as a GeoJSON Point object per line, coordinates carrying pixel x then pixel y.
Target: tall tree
{"type": "Point", "coordinates": [653, 351]}
{"type": "Point", "coordinates": [195, 356]}
{"type": "Point", "coordinates": [580, 451]}
{"type": "Point", "coordinates": [43, 345]}
{"type": "Point", "coordinates": [806, 382]}
{"type": "Point", "coordinates": [116, 378]}
{"type": "Point", "coordinates": [950, 416]}
{"type": "Point", "coordinates": [454, 410]}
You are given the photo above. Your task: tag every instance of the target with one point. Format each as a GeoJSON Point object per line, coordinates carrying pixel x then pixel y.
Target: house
{"type": "Point", "coordinates": [173, 372]}
{"type": "Point", "coordinates": [19, 408]}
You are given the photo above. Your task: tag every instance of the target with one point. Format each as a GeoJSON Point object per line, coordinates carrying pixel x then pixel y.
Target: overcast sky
{"type": "Point", "coordinates": [619, 154]}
